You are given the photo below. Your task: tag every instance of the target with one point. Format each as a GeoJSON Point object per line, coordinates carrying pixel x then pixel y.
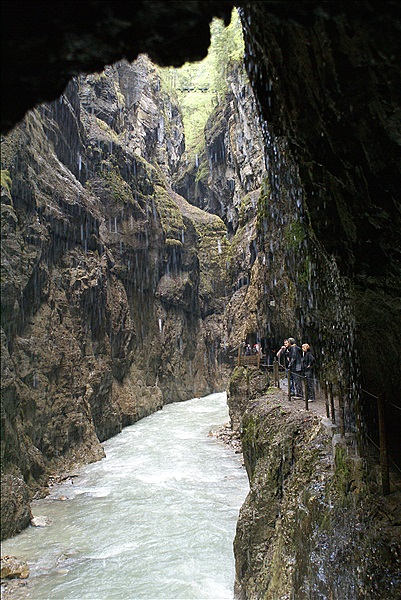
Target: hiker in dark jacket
{"type": "Point", "coordinates": [283, 356]}
{"type": "Point", "coordinates": [295, 366]}
{"type": "Point", "coordinates": [283, 353]}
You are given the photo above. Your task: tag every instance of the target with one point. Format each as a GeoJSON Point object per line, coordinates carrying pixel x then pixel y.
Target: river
{"type": "Point", "coordinates": [155, 519]}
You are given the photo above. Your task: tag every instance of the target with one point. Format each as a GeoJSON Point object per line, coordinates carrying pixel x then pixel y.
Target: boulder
{"type": "Point", "coordinates": [13, 568]}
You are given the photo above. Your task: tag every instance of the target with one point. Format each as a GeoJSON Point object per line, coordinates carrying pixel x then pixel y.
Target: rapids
{"type": "Point", "coordinates": [155, 519]}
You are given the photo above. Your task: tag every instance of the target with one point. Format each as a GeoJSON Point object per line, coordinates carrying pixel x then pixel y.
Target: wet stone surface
{"type": "Point", "coordinates": [314, 519]}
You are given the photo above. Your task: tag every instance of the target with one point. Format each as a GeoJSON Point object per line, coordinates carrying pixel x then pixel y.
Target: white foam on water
{"type": "Point", "coordinates": [155, 519]}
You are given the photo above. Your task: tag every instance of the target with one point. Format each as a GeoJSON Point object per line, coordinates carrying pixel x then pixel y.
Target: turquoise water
{"type": "Point", "coordinates": [155, 519]}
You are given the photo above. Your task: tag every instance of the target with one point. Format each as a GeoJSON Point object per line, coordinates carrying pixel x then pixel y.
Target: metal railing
{"type": "Point", "coordinates": [331, 393]}
{"type": "Point", "coordinates": [382, 446]}
{"type": "Point", "coordinates": [251, 359]}
{"type": "Point", "coordinates": [334, 410]}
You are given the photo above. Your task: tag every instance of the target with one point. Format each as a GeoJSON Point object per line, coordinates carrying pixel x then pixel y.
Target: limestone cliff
{"type": "Point", "coordinates": [330, 274]}
{"type": "Point", "coordinates": [226, 178]}
{"type": "Point", "coordinates": [230, 162]}
{"type": "Point", "coordinates": [109, 303]}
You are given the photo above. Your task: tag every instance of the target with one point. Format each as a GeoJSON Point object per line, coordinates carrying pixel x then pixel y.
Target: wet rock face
{"type": "Point", "coordinates": [313, 523]}
{"type": "Point", "coordinates": [231, 164]}
{"type": "Point", "coordinates": [326, 78]}
{"type": "Point", "coordinates": [15, 511]}
{"type": "Point", "coordinates": [325, 75]}
{"type": "Point", "coordinates": [108, 309]}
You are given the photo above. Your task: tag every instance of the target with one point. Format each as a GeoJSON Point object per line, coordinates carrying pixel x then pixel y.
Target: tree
{"type": "Point", "coordinates": [199, 86]}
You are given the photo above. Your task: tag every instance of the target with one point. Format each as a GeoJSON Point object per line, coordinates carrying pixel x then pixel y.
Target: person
{"type": "Point", "coordinates": [248, 350]}
{"type": "Point", "coordinates": [283, 356]}
{"type": "Point", "coordinates": [295, 366]}
{"type": "Point", "coordinates": [307, 369]}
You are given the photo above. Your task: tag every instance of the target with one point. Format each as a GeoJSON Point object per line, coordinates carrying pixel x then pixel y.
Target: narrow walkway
{"type": "Point", "coordinates": [317, 407]}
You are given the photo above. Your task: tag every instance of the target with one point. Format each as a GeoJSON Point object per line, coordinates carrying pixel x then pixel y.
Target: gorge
{"type": "Point", "coordinates": [129, 273]}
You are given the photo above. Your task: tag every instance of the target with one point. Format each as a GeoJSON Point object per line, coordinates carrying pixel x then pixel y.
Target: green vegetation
{"type": "Point", "coordinates": [263, 206]}
{"type": "Point", "coordinates": [294, 235]}
{"type": "Point", "coordinates": [170, 217]}
{"type": "Point", "coordinates": [342, 471]}
{"type": "Point", "coordinates": [6, 180]}
{"type": "Point", "coordinates": [199, 86]}
{"type": "Point", "coordinates": [107, 129]}
{"type": "Point", "coordinates": [213, 250]}
{"type": "Point", "coordinates": [202, 172]}
{"type": "Point", "coordinates": [251, 428]}
{"type": "Point", "coordinates": [119, 189]}
{"type": "Point", "coordinates": [246, 209]}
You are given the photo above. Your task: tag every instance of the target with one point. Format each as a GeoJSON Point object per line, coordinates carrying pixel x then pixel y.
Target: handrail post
{"type": "Point", "coordinates": [239, 354]}
{"type": "Point", "coordinates": [305, 389]}
{"type": "Point", "coordinates": [326, 397]}
{"type": "Point", "coordinates": [331, 398]}
{"type": "Point", "coordinates": [276, 373]}
{"type": "Point", "coordinates": [384, 465]}
{"type": "Point", "coordinates": [341, 409]}
{"type": "Point", "coordinates": [289, 383]}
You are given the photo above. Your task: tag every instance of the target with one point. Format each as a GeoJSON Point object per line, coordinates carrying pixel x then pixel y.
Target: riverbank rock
{"type": "Point", "coordinates": [40, 521]}
{"type": "Point", "coordinates": [314, 520]}
{"type": "Point", "coordinates": [13, 568]}
{"type": "Point", "coordinates": [15, 508]}
{"type": "Point", "coordinates": [229, 437]}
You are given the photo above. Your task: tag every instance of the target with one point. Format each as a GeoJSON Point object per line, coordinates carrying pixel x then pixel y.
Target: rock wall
{"type": "Point", "coordinates": [109, 307]}
{"type": "Point", "coordinates": [230, 164]}
{"type": "Point", "coordinates": [311, 527]}
{"type": "Point", "coordinates": [226, 179]}
{"type": "Point", "coordinates": [117, 285]}
{"type": "Point", "coordinates": [326, 78]}
{"type": "Point", "coordinates": [313, 524]}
